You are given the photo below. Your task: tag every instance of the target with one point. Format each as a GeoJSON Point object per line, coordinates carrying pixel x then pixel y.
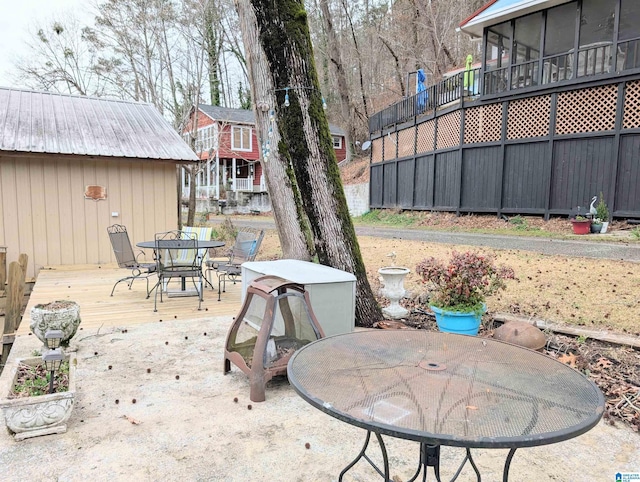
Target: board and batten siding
{"type": "Point", "coordinates": [44, 212]}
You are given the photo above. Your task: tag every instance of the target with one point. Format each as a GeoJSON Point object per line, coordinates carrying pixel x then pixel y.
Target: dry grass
{"type": "Point", "coordinates": [600, 294]}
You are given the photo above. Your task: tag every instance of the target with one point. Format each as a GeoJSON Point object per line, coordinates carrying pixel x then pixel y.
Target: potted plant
{"type": "Point", "coordinates": [30, 408]}
{"type": "Point", "coordinates": [460, 287]}
{"type": "Point", "coordinates": [581, 224]}
{"type": "Point", "coordinates": [63, 315]}
{"type": "Point", "coordinates": [602, 213]}
{"type": "Point", "coordinates": [596, 225]}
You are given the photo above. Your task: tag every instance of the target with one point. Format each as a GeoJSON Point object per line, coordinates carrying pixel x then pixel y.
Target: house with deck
{"type": "Point", "coordinates": [231, 171]}
{"type": "Point", "coordinates": [549, 118]}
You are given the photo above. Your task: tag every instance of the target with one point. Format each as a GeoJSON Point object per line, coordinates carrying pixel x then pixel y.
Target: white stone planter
{"type": "Point", "coordinates": [40, 415]}
{"type": "Point", "coordinates": [57, 315]}
{"type": "Point", "coordinates": [393, 290]}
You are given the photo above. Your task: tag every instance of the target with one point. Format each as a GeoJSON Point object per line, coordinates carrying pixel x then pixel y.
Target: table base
{"type": "Point", "coordinates": [429, 457]}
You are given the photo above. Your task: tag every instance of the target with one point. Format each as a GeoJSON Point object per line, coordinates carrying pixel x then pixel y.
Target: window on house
{"type": "Point", "coordinates": [628, 38]}
{"type": "Point", "coordinates": [240, 138]}
{"type": "Point", "coordinates": [337, 142]}
{"type": "Point", "coordinates": [597, 23]}
{"type": "Point", "coordinates": [497, 52]}
{"type": "Point", "coordinates": [526, 44]}
{"type": "Point", "coordinates": [559, 43]}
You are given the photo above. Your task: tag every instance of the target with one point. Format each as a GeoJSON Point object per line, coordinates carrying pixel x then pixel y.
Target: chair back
{"type": "Point", "coordinates": [246, 246]}
{"type": "Point", "coordinates": [122, 246]}
{"type": "Point", "coordinates": [176, 250]}
{"type": "Point", "coordinates": [201, 234]}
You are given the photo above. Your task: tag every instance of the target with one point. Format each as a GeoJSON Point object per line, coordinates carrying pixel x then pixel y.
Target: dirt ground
{"type": "Point", "coordinates": [589, 293]}
{"type": "Point", "coordinates": [153, 404]}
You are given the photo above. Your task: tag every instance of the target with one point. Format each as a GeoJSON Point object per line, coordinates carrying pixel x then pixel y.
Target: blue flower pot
{"type": "Point", "coordinates": [458, 322]}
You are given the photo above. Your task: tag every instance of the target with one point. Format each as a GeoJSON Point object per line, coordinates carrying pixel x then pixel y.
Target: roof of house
{"type": "Point", "coordinates": [498, 11]}
{"type": "Point", "coordinates": [245, 116]}
{"type": "Point", "coordinates": [45, 122]}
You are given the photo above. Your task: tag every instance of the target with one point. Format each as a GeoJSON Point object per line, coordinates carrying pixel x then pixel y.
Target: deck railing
{"type": "Point", "coordinates": [444, 92]}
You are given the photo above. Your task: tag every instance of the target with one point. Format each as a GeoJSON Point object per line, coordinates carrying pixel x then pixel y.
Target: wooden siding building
{"type": "Point", "coordinates": [535, 130]}
{"type": "Point", "coordinates": [70, 166]}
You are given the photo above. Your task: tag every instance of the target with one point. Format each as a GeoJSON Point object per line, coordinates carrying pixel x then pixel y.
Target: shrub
{"type": "Point", "coordinates": [602, 211]}
{"type": "Point", "coordinates": [464, 282]}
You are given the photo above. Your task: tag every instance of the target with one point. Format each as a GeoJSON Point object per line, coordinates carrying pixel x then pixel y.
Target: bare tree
{"type": "Point", "coordinates": [307, 143]}
{"type": "Point", "coordinates": [62, 59]}
{"type": "Point", "coordinates": [293, 230]}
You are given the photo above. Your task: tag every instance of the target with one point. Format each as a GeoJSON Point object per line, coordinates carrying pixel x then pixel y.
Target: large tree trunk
{"type": "Point", "coordinates": [284, 36]}
{"type": "Point", "coordinates": [293, 230]}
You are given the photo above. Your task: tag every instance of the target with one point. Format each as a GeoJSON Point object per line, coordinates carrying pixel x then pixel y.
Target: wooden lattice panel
{"type": "Point", "coordinates": [483, 124]}
{"type": "Point", "coordinates": [390, 141]}
{"type": "Point", "coordinates": [426, 136]}
{"type": "Point", "coordinates": [376, 150]}
{"type": "Point", "coordinates": [529, 117]}
{"type": "Point", "coordinates": [587, 110]}
{"type": "Point", "coordinates": [406, 142]}
{"type": "Point", "coordinates": [631, 117]}
{"type": "Point", "coordinates": [448, 130]}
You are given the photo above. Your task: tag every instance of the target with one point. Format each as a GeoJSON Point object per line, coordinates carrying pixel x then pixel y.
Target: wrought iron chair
{"type": "Point", "coordinates": [244, 249]}
{"type": "Point", "coordinates": [127, 259]}
{"type": "Point", "coordinates": [171, 263]}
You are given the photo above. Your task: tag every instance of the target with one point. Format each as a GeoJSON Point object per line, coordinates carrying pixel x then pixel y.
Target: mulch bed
{"type": "Point", "coordinates": [614, 368]}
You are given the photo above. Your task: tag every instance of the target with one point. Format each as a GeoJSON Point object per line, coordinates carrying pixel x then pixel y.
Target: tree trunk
{"type": "Point", "coordinates": [293, 230]}
{"type": "Point", "coordinates": [284, 36]}
{"type": "Point", "coordinates": [336, 60]}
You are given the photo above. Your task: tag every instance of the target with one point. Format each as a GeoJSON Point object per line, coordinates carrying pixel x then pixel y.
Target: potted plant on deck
{"type": "Point", "coordinates": [460, 287]}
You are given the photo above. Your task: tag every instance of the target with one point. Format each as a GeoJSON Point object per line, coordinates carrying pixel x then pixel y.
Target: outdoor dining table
{"type": "Point", "coordinates": [179, 244]}
{"type": "Point", "coordinates": [441, 389]}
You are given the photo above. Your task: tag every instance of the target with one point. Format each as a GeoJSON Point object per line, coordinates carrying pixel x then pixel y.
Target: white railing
{"type": "Point", "coordinates": [244, 184]}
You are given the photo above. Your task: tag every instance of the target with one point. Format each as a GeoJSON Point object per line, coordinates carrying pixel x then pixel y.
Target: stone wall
{"type": "Point", "coordinates": [357, 198]}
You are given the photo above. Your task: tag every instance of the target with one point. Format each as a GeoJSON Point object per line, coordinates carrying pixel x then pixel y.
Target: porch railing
{"type": "Point", "coordinates": [244, 184]}
{"type": "Point", "coordinates": [444, 92]}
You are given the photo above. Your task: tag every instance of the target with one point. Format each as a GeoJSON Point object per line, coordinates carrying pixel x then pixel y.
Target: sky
{"type": "Point", "coordinates": [16, 16]}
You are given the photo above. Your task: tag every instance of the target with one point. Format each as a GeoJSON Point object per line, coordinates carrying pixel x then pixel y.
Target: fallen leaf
{"type": "Point", "coordinates": [604, 363]}
{"type": "Point", "coordinates": [132, 420]}
{"type": "Point", "coordinates": [568, 359]}
{"type": "Point", "coordinates": [472, 407]}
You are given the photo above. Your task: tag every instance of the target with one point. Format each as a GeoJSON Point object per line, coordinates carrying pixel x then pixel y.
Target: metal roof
{"type": "Point", "coordinates": [45, 122]}
{"type": "Point", "coordinates": [498, 11]}
{"type": "Point", "coordinates": [244, 116]}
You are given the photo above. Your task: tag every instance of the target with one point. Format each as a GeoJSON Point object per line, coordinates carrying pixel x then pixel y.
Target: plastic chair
{"type": "Point", "coordinates": [127, 259]}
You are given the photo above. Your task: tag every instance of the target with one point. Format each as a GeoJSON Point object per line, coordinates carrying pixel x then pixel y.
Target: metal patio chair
{"type": "Point", "coordinates": [172, 263]}
{"type": "Point", "coordinates": [126, 258]}
{"type": "Point", "coordinates": [245, 248]}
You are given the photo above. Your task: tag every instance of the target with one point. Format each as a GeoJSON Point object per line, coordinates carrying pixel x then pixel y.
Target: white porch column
{"type": "Point", "coordinates": [233, 172]}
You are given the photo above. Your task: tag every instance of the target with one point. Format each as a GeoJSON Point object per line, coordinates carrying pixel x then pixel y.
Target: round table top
{"type": "Point", "coordinates": [175, 243]}
{"type": "Point", "coordinates": [445, 389]}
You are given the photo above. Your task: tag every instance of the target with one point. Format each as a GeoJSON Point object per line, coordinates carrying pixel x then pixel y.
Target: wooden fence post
{"type": "Point", "coordinates": [3, 267]}
{"type": "Point", "coordinates": [15, 293]}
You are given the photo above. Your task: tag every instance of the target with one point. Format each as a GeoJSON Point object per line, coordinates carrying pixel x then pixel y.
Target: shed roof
{"type": "Point", "coordinates": [498, 11]}
{"type": "Point", "coordinates": [244, 116]}
{"type": "Point", "coordinates": [45, 122]}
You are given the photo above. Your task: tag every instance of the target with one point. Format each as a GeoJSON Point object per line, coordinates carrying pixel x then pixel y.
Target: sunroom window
{"type": "Point", "coordinates": [559, 43]}
{"type": "Point", "coordinates": [597, 22]}
{"type": "Point", "coordinates": [526, 44]}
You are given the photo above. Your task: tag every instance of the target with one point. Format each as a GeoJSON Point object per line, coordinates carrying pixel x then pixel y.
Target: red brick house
{"type": "Point", "coordinates": [227, 141]}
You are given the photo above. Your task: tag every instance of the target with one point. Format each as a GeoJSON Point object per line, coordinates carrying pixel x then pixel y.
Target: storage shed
{"type": "Point", "coordinates": [70, 166]}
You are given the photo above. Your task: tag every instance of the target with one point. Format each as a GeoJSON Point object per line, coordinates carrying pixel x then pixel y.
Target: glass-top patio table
{"type": "Point", "coordinates": [444, 389]}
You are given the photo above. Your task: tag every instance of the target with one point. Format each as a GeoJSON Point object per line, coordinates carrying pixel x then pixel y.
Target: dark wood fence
{"type": "Point", "coordinates": [547, 175]}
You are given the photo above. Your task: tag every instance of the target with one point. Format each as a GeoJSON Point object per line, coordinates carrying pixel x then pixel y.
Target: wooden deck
{"type": "Point", "coordinates": [90, 287]}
